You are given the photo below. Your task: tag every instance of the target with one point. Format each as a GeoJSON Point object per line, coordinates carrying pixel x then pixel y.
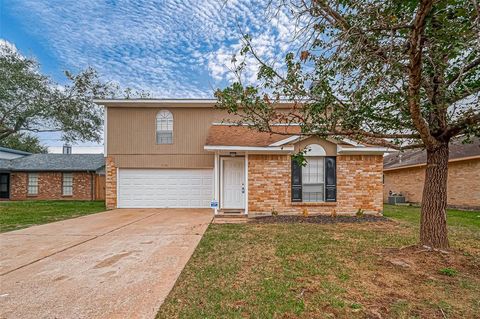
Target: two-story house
{"type": "Point", "coordinates": [185, 154]}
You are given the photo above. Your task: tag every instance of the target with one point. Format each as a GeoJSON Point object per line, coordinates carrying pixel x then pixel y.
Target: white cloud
{"type": "Point", "coordinates": [6, 45]}
{"type": "Point", "coordinates": [172, 48]}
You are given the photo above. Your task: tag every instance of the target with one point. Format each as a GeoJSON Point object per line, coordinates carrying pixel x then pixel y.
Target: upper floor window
{"type": "Point", "coordinates": [164, 127]}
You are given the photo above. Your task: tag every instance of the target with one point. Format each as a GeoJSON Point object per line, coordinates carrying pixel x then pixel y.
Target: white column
{"type": "Point", "coordinates": [246, 183]}
{"type": "Point", "coordinates": [216, 181]}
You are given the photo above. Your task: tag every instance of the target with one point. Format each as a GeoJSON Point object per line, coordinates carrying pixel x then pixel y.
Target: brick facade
{"type": "Point", "coordinates": [463, 183]}
{"type": "Point", "coordinates": [359, 185]}
{"type": "Point", "coordinates": [110, 183]}
{"type": "Point", "coordinates": [50, 186]}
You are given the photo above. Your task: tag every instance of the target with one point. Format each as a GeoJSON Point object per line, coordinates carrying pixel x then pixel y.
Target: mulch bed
{"type": "Point", "coordinates": [318, 219]}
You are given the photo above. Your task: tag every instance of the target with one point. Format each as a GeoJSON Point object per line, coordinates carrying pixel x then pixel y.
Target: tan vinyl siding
{"type": "Point", "coordinates": [132, 137]}
{"type": "Point", "coordinates": [165, 161]}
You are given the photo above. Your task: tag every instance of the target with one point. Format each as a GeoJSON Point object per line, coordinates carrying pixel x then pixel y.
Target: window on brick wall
{"type": "Point", "coordinates": [67, 184]}
{"type": "Point", "coordinates": [32, 186]}
{"type": "Point", "coordinates": [313, 180]}
{"type": "Point", "coordinates": [316, 181]}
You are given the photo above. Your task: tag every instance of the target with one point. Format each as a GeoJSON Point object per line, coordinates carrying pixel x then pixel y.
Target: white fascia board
{"type": "Point", "coordinates": [105, 132]}
{"type": "Point", "coordinates": [362, 150]}
{"type": "Point", "coordinates": [285, 141]}
{"type": "Point", "coordinates": [149, 101]}
{"type": "Point", "coordinates": [285, 149]}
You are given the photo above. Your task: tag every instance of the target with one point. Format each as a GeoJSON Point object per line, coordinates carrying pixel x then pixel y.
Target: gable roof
{"type": "Point", "coordinates": [55, 162]}
{"type": "Point", "coordinates": [409, 158]}
{"type": "Point", "coordinates": [229, 137]}
{"type": "Point", "coordinates": [13, 151]}
{"type": "Point", "coordinates": [242, 135]}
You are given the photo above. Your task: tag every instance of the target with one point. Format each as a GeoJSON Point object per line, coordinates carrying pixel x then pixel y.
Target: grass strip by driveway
{"type": "Point", "coordinates": [330, 271]}
{"type": "Point", "coordinates": [20, 214]}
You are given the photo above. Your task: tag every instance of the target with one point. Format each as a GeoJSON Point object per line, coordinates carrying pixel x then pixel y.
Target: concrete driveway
{"type": "Point", "coordinates": [117, 264]}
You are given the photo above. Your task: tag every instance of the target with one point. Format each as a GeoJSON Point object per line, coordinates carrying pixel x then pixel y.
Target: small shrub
{"type": "Point", "coordinates": [360, 213]}
{"type": "Point", "coordinates": [450, 272]}
{"type": "Point", "coordinates": [334, 213]}
{"type": "Point", "coordinates": [305, 212]}
{"type": "Point", "coordinates": [274, 212]}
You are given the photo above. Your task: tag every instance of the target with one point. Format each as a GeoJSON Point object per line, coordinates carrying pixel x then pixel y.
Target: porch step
{"type": "Point", "coordinates": [231, 215]}
{"type": "Point", "coordinates": [230, 220]}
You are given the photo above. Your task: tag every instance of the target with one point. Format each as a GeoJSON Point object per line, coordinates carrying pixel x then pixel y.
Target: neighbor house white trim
{"type": "Point", "coordinates": [282, 149]}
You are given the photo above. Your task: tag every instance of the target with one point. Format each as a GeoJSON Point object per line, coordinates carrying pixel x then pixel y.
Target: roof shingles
{"type": "Point", "coordinates": [418, 157]}
{"type": "Point", "coordinates": [55, 162]}
{"type": "Point", "coordinates": [237, 135]}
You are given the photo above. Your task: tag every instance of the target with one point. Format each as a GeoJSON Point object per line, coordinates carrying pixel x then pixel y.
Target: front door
{"type": "Point", "coordinates": [4, 185]}
{"type": "Point", "coordinates": [233, 181]}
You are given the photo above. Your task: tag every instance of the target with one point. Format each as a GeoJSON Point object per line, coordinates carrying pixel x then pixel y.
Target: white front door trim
{"type": "Point", "coordinates": [241, 204]}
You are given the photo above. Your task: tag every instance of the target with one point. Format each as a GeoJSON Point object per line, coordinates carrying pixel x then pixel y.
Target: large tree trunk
{"type": "Point", "coordinates": [433, 226]}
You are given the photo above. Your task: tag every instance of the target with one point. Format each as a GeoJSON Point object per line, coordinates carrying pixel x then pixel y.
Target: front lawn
{"type": "Point", "coordinates": [21, 214]}
{"type": "Point", "coordinates": [330, 271]}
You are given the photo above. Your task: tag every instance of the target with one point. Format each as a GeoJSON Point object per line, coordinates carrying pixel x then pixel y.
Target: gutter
{"type": "Point", "coordinates": [424, 164]}
{"type": "Point", "coordinates": [362, 150]}
{"type": "Point", "coordinates": [277, 149]}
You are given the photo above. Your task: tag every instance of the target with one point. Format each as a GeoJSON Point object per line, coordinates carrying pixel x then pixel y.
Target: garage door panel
{"type": "Point", "coordinates": [180, 188]}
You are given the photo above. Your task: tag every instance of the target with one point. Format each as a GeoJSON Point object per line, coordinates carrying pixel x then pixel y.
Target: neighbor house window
{"type": "Point", "coordinates": [164, 127]}
{"type": "Point", "coordinates": [313, 180]}
{"type": "Point", "coordinates": [32, 186]}
{"type": "Point", "coordinates": [67, 184]}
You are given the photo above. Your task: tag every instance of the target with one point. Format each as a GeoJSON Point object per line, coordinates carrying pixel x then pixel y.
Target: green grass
{"type": "Point", "coordinates": [328, 271]}
{"type": "Point", "coordinates": [456, 218]}
{"type": "Point", "coordinates": [21, 214]}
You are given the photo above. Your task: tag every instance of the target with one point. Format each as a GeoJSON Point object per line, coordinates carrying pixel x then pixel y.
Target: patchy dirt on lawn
{"type": "Point", "coordinates": [351, 267]}
{"type": "Point", "coordinates": [317, 219]}
{"type": "Point", "coordinates": [413, 277]}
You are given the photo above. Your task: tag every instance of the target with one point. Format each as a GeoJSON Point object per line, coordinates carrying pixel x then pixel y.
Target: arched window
{"type": "Point", "coordinates": [164, 127]}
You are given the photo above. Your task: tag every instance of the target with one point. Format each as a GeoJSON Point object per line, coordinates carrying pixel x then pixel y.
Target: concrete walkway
{"type": "Point", "coordinates": [117, 264]}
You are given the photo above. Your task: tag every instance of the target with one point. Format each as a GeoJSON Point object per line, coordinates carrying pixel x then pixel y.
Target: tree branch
{"type": "Point", "coordinates": [415, 73]}
{"type": "Point", "coordinates": [464, 70]}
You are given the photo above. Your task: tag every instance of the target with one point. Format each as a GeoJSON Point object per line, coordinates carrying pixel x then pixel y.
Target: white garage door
{"type": "Point", "coordinates": [173, 188]}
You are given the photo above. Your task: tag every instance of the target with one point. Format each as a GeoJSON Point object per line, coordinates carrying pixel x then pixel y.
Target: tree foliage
{"type": "Point", "coordinates": [32, 102]}
{"type": "Point", "coordinates": [402, 74]}
{"type": "Point", "coordinates": [23, 142]}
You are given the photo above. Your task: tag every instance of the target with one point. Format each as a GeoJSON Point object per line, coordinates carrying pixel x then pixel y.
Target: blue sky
{"type": "Point", "coordinates": [170, 48]}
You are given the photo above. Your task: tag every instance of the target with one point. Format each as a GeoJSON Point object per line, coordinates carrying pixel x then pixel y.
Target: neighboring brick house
{"type": "Point", "coordinates": [181, 153]}
{"type": "Point", "coordinates": [53, 176]}
{"type": "Point", "coordinates": [405, 173]}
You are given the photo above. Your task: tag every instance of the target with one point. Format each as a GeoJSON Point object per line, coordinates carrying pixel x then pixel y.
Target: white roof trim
{"type": "Point", "coordinates": [252, 125]}
{"type": "Point", "coordinates": [148, 101]}
{"type": "Point", "coordinates": [285, 140]}
{"type": "Point", "coordinates": [362, 150]}
{"type": "Point", "coordinates": [285, 149]}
